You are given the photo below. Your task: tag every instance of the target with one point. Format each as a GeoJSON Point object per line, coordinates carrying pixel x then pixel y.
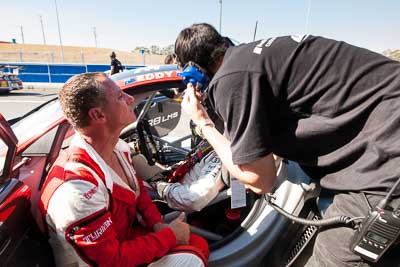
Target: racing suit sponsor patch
{"type": "Point", "coordinates": [93, 236]}
{"type": "Point", "coordinates": [89, 194]}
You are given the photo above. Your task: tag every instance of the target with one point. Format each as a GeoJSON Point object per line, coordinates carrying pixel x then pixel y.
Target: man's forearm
{"type": "Point", "coordinates": [258, 176]}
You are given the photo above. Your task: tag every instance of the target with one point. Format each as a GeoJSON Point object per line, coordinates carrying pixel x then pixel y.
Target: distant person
{"type": "Point", "coordinates": [170, 59]}
{"type": "Point", "coordinates": [171, 93]}
{"type": "Point", "coordinates": [116, 65]}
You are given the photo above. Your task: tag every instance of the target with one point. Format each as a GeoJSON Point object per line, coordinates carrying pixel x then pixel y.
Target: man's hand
{"type": "Point", "coordinates": [191, 104]}
{"type": "Point", "coordinates": [180, 229]}
{"type": "Point", "coordinates": [159, 226]}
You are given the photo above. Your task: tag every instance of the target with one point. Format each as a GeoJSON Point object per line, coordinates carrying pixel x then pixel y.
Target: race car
{"type": "Point", "coordinates": [247, 236]}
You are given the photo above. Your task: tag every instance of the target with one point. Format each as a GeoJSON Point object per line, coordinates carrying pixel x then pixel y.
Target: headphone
{"type": "Point", "coordinates": [193, 73]}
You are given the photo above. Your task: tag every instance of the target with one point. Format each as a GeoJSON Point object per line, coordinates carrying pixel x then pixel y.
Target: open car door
{"type": "Point", "coordinates": [19, 235]}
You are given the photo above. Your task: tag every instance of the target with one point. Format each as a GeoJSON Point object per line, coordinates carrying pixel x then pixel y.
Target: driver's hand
{"type": "Point", "coordinates": [191, 104]}
{"type": "Point", "coordinates": [159, 226]}
{"type": "Point", "coordinates": [180, 229]}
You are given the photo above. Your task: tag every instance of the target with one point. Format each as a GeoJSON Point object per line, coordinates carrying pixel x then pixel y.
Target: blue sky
{"type": "Point", "coordinates": [126, 24]}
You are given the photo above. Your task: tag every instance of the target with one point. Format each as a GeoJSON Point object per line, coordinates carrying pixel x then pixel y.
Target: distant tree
{"type": "Point", "coordinates": [393, 54]}
{"type": "Point", "coordinates": [155, 50]}
{"type": "Point", "coordinates": [168, 49]}
{"type": "Point", "coordinates": [138, 48]}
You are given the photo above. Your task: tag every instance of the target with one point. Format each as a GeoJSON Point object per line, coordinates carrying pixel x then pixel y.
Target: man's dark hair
{"type": "Point", "coordinates": [202, 44]}
{"type": "Point", "coordinates": [79, 94]}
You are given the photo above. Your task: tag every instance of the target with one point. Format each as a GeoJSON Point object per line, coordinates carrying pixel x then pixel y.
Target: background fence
{"type": "Point", "coordinates": [32, 53]}
{"type": "Point", "coordinates": [54, 73]}
{"type": "Point", "coordinates": [53, 64]}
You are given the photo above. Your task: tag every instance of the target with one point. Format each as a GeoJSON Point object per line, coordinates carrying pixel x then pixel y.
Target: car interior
{"type": "Point", "coordinates": [224, 228]}
{"type": "Point", "coordinates": [21, 233]}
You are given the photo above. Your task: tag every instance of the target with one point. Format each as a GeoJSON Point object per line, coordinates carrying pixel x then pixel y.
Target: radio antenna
{"type": "Point", "coordinates": [255, 31]}
{"type": "Point", "coordinates": [308, 16]}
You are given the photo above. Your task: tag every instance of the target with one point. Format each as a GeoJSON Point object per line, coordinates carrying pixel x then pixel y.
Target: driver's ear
{"type": "Point", "coordinates": [96, 114]}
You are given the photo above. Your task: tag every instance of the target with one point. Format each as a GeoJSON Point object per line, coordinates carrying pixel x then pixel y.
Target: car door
{"type": "Point", "coordinates": [21, 243]}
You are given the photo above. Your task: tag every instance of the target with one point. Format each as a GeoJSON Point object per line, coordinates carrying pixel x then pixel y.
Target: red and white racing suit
{"type": "Point", "coordinates": [90, 213]}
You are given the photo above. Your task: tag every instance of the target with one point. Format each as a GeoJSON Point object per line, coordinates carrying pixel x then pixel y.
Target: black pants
{"type": "Point", "coordinates": [331, 246]}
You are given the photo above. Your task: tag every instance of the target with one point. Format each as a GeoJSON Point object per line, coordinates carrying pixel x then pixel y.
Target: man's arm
{"type": "Point", "coordinates": [259, 175]}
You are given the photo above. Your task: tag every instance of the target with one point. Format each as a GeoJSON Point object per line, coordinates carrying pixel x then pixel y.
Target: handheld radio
{"type": "Point", "coordinates": [378, 231]}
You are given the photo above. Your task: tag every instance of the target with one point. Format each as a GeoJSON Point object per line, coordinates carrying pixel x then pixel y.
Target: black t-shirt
{"type": "Point", "coordinates": [117, 65]}
{"type": "Point", "coordinates": [332, 107]}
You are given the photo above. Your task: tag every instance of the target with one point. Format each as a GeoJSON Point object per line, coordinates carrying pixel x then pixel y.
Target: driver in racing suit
{"type": "Point", "coordinates": [194, 183]}
{"type": "Point", "coordinates": [95, 206]}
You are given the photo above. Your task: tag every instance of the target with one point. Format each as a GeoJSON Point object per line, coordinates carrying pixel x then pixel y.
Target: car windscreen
{"type": "Point", "coordinates": [37, 122]}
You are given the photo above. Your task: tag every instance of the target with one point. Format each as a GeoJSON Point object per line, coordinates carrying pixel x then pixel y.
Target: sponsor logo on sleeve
{"type": "Point", "coordinates": [89, 194]}
{"type": "Point", "coordinates": [96, 234]}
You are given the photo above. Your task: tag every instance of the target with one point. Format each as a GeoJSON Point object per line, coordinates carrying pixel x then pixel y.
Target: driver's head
{"type": "Point", "coordinates": [79, 94]}
{"type": "Point", "coordinates": [94, 98]}
{"type": "Point", "coordinates": [202, 44]}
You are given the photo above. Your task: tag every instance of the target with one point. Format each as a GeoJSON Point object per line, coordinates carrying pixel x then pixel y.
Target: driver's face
{"type": "Point", "coordinates": [119, 107]}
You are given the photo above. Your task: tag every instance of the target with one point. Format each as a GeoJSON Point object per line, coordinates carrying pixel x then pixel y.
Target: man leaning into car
{"type": "Point", "coordinates": [95, 205]}
{"type": "Point", "coordinates": [332, 107]}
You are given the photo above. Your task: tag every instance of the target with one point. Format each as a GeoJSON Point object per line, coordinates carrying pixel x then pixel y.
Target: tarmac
{"type": "Point", "coordinates": [43, 86]}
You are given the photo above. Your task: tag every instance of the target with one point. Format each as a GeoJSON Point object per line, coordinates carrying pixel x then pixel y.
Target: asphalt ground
{"type": "Point", "coordinates": [19, 102]}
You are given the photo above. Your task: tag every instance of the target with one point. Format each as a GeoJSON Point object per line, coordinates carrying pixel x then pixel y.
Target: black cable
{"type": "Point", "coordinates": [323, 222]}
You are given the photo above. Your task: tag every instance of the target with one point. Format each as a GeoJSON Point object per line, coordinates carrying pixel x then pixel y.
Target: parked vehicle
{"type": "Point", "coordinates": [10, 74]}
{"type": "Point", "coordinates": [31, 144]}
{"type": "Point", "coordinates": [4, 84]}
{"type": "Point", "coordinates": [15, 82]}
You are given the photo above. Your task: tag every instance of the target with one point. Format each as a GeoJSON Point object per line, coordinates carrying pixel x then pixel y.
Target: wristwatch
{"type": "Point", "coordinates": [200, 126]}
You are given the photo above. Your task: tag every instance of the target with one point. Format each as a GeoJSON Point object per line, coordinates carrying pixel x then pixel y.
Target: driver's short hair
{"type": "Point", "coordinates": [79, 94]}
{"type": "Point", "coordinates": [200, 43]}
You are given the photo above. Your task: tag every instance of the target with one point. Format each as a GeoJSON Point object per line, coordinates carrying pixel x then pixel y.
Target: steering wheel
{"type": "Point", "coordinates": [147, 146]}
